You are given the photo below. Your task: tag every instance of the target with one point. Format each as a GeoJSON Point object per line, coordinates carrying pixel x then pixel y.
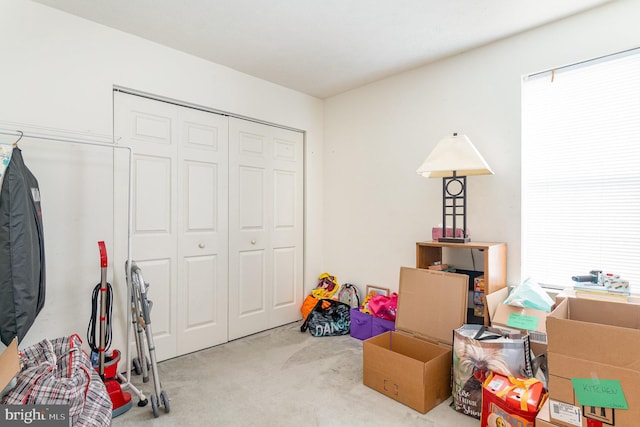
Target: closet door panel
{"type": "Point", "coordinates": [265, 203]}
{"type": "Point", "coordinates": [249, 258]}
{"type": "Point", "coordinates": [150, 129]}
{"type": "Point", "coordinates": [251, 200]}
{"type": "Point", "coordinates": [251, 284]}
{"type": "Point", "coordinates": [152, 214]}
{"type": "Point", "coordinates": [286, 229]}
{"type": "Point", "coordinates": [154, 126]}
{"type": "Point", "coordinates": [203, 233]}
{"type": "Point", "coordinates": [284, 277]}
{"type": "Point", "coordinates": [284, 253]}
{"type": "Point", "coordinates": [284, 207]}
{"type": "Point", "coordinates": [199, 294]}
{"type": "Point", "coordinates": [180, 217]}
{"type": "Point", "coordinates": [251, 246]}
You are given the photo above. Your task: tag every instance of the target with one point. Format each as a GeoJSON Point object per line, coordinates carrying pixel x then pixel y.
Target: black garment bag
{"type": "Point", "coordinates": [22, 267]}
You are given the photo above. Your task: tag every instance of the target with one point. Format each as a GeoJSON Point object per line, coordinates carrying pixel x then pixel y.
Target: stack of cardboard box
{"type": "Point", "coordinates": [592, 349]}
{"type": "Point", "coordinates": [594, 368]}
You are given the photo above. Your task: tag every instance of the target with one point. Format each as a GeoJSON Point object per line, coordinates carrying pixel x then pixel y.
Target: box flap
{"type": "Point", "coordinates": [431, 304]}
{"type": "Point", "coordinates": [561, 311]}
{"type": "Point", "coordinates": [9, 364]}
{"type": "Point", "coordinates": [612, 313]}
{"type": "Point", "coordinates": [494, 299]}
{"type": "Point", "coordinates": [599, 331]}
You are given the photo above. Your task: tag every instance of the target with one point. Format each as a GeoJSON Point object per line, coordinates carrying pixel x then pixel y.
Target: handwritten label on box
{"type": "Point", "coordinates": [600, 393]}
{"type": "Point", "coordinates": [522, 321]}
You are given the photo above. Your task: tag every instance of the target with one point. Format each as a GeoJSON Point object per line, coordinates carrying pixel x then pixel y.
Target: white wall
{"type": "Point", "coordinates": [365, 206]}
{"type": "Point", "coordinates": [57, 76]}
{"type": "Point", "coordinates": [376, 136]}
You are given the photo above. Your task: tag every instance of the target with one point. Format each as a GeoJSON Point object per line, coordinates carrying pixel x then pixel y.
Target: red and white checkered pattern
{"type": "Point", "coordinates": [59, 372]}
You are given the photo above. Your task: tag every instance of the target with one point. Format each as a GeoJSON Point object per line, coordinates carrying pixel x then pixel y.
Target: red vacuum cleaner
{"type": "Point", "coordinates": [107, 365]}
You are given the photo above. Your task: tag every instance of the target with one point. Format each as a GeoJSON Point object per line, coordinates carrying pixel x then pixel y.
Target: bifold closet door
{"type": "Point", "coordinates": [179, 218]}
{"type": "Point", "coordinates": [265, 226]}
{"type": "Point", "coordinates": [202, 230]}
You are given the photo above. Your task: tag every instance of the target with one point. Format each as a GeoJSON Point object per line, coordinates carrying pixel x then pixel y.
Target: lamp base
{"type": "Point", "coordinates": [454, 239]}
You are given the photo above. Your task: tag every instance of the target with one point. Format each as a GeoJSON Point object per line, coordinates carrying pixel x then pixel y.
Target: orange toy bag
{"type": "Point", "coordinates": [511, 402]}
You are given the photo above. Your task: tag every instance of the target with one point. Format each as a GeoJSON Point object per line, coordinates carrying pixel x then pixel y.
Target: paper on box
{"type": "Point", "coordinates": [542, 419]}
{"type": "Point", "coordinates": [512, 318]}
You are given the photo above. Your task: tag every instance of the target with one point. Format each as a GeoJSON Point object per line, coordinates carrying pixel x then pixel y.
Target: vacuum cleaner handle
{"type": "Point", "coordinates": [103, 254]}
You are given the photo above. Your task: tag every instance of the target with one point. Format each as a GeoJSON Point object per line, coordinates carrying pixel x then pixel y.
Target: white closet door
{"type": "Point", "coordinates": [179, 218]}
{"type": "Point", "coordinates": [265, 226]}
{"type": "Point", "coordinates": [203, 237]}
{"type": "Point", "coordinates": [150, 129]}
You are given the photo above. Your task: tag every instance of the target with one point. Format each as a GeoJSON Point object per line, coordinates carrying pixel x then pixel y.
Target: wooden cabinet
{"type": "Point", "coordinates": [495, 261]}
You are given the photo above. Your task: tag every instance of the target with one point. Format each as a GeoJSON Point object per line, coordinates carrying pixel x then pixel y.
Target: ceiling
{"type": "Point", "coordinates": [323, 47]}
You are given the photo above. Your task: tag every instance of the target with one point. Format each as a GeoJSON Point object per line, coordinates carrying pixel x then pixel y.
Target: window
{"type": "Point", "coordinates": [581, 171]}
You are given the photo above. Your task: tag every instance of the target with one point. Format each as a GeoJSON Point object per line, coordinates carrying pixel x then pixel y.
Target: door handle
{"type": "Point", "coordinates": [201, 245]}
{"type": "Point", "coordinates": [253, 242]}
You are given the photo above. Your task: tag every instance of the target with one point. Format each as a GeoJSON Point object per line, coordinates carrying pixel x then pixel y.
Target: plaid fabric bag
{"type": "Point", "coordinates": [58, 372]}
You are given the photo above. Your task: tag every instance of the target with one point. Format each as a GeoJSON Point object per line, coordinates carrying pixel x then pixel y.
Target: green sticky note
{"type": "Point", "coordinates": [522, 321]}
{"type": "Point", "coordinates": [599, 393]}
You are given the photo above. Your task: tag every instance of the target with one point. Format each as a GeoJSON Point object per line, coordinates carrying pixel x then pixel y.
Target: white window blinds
{"type": "Point", "coordinates": [581, 171]}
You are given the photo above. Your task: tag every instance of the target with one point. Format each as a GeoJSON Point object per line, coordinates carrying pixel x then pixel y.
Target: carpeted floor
{"type": "Point", "coordinates": [280, 377]}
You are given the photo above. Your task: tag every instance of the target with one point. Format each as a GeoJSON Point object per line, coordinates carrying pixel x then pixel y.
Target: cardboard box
{"type": "Point", "coordinates": [593, 346]}
{"type": "Point", "coordinates": [543, 420]}
{"type": "Point", "coordinates": [412, 365]}
{"type": "Point", "coordinates": [511, 318]}
{"type": "Point", "coordinates": [9, 364]}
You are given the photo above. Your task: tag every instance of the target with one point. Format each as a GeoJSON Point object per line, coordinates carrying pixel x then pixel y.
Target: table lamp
{"type": "Point", "coordinates": [453, 159]}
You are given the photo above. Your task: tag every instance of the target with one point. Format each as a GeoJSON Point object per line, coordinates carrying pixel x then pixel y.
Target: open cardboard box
{"type": "Point", "coordinates": [518, 319]}
{"type": "Point", "coordinates": [9, 364]}
{"type": "Point", "coordinates": [598, 341]}
{"type": "Point", "coordinates": [412, 365]}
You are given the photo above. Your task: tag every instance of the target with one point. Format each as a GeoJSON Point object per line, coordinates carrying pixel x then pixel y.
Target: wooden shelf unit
{"type": "Point", "coordinates": [495, 261]}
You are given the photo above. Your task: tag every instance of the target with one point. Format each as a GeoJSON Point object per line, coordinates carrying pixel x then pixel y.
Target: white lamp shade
{"type": "Point", "coordinates": [454, 153]}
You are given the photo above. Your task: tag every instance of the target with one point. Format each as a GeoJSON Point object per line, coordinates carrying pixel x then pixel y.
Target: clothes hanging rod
{"type": "Point", "coordinates": [21, 134]}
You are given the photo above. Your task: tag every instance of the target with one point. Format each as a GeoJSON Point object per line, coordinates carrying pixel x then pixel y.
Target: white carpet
{"type": "Point", "coordinates": [280, 377]}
